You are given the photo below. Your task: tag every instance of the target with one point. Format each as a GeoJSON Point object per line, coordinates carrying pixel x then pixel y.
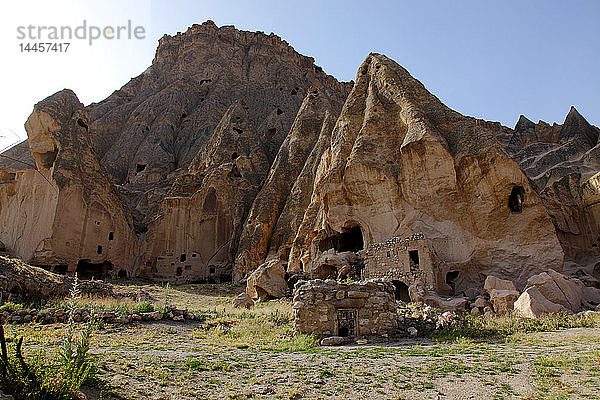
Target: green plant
{"type": "Point", "coordinates": [144, 307]}
{"type": "Point", "coordinates": [73, 354]}
{"type": "Point", "coordinates": [166, 306]}
{"type": "Point", "coordinates": [58, 378]}
{"type": "Point", "coordinates": [9, 306]}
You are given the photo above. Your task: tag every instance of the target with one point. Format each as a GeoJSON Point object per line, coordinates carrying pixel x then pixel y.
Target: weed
{"type": "Point", "coordinates": [143, 307]}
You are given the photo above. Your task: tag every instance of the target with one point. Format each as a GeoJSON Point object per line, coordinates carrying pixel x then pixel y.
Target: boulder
{"type": "Point", "coordinates": [267, 281]}
{"type": "Point", "coordinates": [495, 283]}
{"type": "Point", "coordinates": [331, 262]}
{"type": "Point", "coordinates": [572, 289]}
{"type": "Point", "coordinates": [481, 302]}
{"type": "Point", "coordinates": [548, 288]}
{"type": "Point", "coordinates": [445, 304]}
{"type": "Point", "coordinates": [532, 304]}
{"type": "Point", "coordinates": [503, 300]}
{"type": "Point", "coordinates": [590, 296]}
{"type": "Point", "coordinates": [332, 341]}
{"type": "Point", "coordinates": [242, 300]}
{"type": "Point", "coordinates": [558, 289]}
{"type": "Point", "coordinates": [471, 293]}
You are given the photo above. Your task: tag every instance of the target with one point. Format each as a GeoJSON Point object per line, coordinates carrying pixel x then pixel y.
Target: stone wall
{"type": "Point", "coordinates": [326, 308]}
{"type": "Point", "coordinates": [405, 260]}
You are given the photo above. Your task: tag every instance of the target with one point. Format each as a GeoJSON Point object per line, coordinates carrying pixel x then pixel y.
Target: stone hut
{"type": "Point", "coordinates": [326, 308]}
{"type": "Point", "coordinates": [401, 261]}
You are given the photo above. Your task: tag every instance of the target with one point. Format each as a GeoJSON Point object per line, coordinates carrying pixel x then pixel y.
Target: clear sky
{"type": "Point", "coordinates": [489, 59]}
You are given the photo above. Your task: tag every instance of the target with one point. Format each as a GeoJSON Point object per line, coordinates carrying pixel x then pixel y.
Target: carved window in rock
{"type": "Point", "coordinates": [516, 199]}
{"type": "Point", "coordinates": [346, 323]}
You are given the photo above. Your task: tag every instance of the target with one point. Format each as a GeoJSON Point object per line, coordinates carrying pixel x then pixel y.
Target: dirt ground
{"type": "Point", "coordinates": [185, 360]}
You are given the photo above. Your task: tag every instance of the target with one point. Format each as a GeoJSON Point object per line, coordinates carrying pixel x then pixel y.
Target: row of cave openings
{"type": "Point", "coordinates": [87, 270]}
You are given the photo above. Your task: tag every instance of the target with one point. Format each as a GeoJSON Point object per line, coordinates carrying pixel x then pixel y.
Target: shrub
{"type": "Point", "coordinates": [143, 307]}
{"type": "Point", "coordinates": [9, 306]}
{"type": "Point", "coordinates": [58, 378]}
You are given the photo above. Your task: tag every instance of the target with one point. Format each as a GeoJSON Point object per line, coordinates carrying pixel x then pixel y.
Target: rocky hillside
{"type": "Point", "coordinates": [563, 162]}
{"type": "Point", "coordinates": [232, 149]}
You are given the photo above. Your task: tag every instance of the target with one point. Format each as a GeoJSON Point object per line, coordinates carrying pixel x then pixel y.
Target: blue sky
{"type": "Point", "coordinates": [489, 59]}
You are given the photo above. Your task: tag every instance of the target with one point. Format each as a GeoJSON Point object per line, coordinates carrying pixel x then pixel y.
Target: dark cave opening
{"type": "Point", "coordinates": [87, 270]}
{"type": "Point", "coordinates": [61, 269]}
{"type": "Point", "coordinates": [210, 202]}
{"type": "Point", "coordinates": [451, 278]}
{"type": "Point", "coordinates": [82, 123]}
{"type": "Point", "coordinates": [516, 199]}
{"type": "Point", "coordinates": [350, 239]}
{"type": "Point", "coordinates": [414, 257]}
{"type": "Point", "coordinates": [401, 292]}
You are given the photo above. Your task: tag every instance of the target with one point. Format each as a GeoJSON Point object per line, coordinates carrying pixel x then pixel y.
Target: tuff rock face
{"type": "Point", "coordinates": [65, 215]}
{"type": "Point", "coordinates": [232, 153]}
{"type": "Point", "coordinates": [401, 162]}
{"type": "Point", "coordinates": [563, 161]}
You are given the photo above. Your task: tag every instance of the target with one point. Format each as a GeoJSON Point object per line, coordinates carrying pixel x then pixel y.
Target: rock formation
{"type": "Point", "coordinates": [563, 162]}
{"type": "Point", "coordinates": [234, 157]}
{"type": "Point", "coordinates": [401, 162]}
{"type": "Point", "coordinates": [65, 215]}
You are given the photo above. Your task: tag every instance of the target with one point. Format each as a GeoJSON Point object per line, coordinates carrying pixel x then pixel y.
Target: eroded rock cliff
{"type": "Point", "coordinates": [65, 215]}
{"type": "Point", "coordinates": [401, 162]}
{"type": "Point", "coordinates": [232, 150]}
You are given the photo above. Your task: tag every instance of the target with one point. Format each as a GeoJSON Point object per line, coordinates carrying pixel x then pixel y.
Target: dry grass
{"type": "Point", "coordinates": [238, 353]}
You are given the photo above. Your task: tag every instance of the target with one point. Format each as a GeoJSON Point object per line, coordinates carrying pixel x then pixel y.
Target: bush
{"type": "Point", "coordinates": [9, 306]}
{"type": "Point", "coordinates": [60, 377]}
{"type": "Point", "coordinates": [143, 307]}
{"type": "Point", "coordinates": [480, 327]}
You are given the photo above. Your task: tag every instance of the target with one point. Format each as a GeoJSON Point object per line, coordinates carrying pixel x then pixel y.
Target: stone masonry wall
{"type": "Point", "coordinates": [326, 308]}
{"type": "Point", "coordinates": [391, 260]}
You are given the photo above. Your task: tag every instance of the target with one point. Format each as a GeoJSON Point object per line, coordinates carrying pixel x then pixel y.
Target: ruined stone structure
{"type": "Point", "coordinates": [402, 261]}
{"type": "Point", "coordinates": [232, 150]}
{"type": "Point", "coordinates": [326, 308]}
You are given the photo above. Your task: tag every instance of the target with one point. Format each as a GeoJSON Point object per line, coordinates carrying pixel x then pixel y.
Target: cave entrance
{"type": "Point", "coordinates": [122, 274]}
{"type": "Point", "coordinates": [401, 292]}
{"type": "Point", "coordinates": [350, 239]}
{"type": "Point", "coordinates": [87, 270]}
{"type": "Point", "coordinates": [61, 269]}
{"type": "Point", "coordinates": [451, 278]}
{"type": "Point", "coordinates": [516, 199]}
